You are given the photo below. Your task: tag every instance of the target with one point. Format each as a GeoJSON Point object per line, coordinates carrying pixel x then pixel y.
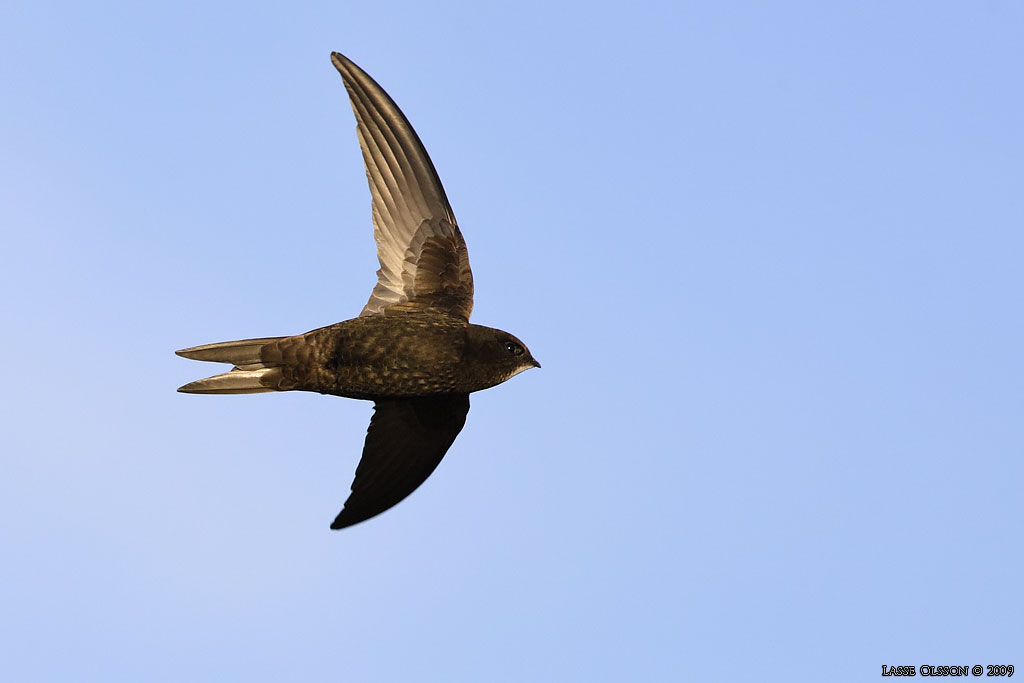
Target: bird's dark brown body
{"type": "Point", "coordinates": [395, 355]}
{"type": "Point", "coordinates": [412, 350]}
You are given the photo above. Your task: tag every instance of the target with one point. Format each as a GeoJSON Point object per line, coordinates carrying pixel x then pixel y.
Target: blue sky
{"type": "Point", "coordinates": [768, 253]}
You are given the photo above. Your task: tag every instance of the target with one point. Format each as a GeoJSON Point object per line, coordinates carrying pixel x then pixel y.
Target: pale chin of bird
{"type": "Point", "coordinates": [522, 368]}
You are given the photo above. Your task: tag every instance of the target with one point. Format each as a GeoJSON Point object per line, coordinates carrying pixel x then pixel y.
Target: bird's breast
{"type": "Point", "coordinates": [381, 356]}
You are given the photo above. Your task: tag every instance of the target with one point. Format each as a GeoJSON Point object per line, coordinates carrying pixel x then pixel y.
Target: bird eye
{"type": "Point", "coordinates": [512, 347]}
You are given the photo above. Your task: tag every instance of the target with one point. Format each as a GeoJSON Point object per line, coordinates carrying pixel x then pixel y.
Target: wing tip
{"type": "Point", "coordinates": [341, 62]}
{"type": "Point", "coordinates": [341, 523]}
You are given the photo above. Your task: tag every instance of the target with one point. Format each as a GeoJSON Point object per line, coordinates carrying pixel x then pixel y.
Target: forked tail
{"type": "Point", "coordinates": [249, 376]}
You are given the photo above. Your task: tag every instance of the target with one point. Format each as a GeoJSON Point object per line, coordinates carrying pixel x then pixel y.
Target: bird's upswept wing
{"type": "Point", "coordinates": [405, 442]}
{"type": "Point", "coordinates": [423, 258]}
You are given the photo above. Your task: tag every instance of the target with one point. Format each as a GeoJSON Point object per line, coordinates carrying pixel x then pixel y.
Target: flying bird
{"type": "Point", "coordinates": [412, 350]}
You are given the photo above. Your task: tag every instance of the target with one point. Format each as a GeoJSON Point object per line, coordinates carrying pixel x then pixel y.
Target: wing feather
{"type": "Point", "coordinates": [422, 254]}
{"type": "Point", "coordinates": [405, 443]}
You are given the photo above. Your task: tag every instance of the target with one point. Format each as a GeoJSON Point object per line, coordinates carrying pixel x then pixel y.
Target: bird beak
{"type": "Point", "coordinates": [534, 363]}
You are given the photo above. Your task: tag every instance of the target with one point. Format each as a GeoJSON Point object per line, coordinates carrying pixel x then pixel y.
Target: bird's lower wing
{"type": "Point", "coordinates": [405, 442]}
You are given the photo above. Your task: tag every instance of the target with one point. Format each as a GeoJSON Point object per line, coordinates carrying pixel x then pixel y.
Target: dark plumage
{"type": "Point", "coordinates": [412, 350]}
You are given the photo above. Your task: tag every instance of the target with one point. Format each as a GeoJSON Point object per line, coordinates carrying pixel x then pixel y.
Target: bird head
{"type": "Point", "coordinates": [496, 354]}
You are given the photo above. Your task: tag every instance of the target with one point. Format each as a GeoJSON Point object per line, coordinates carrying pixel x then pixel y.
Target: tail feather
{"type": "Point", "coordinates": [241, 352]}
{"type": "Point", "coordinates": [235, 382]}
{"type": "Point", "coordinates": [249, 376]}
